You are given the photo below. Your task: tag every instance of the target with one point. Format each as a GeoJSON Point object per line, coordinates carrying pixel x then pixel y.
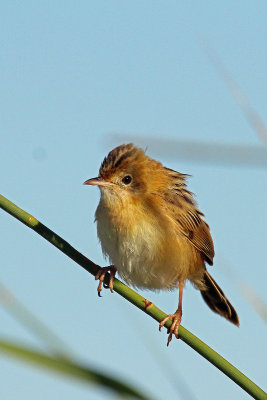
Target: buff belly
{"type": "Point", "coordinates": [145, 254]}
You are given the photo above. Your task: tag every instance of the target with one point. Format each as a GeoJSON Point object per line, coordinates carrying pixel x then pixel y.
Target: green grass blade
{"type": "Point", "coordinates": [69, 369]}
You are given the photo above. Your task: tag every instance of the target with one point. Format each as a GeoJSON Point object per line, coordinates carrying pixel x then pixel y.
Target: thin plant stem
{"type": "Point", "coordinates": [242, 100]}
{"type": "Point", "coordinates": [129, 294]}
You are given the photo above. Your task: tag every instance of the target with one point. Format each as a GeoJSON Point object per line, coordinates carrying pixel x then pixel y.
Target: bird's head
{"type": "Point", "coordinates": [127, 172]}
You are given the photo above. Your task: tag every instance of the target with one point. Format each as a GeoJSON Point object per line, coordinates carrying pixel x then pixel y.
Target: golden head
{"type": "Point", "coordinates": [127, 169]}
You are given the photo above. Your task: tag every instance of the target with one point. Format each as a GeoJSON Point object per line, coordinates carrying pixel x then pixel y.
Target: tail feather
{"type": "Point", "coordinates": [216, 299]}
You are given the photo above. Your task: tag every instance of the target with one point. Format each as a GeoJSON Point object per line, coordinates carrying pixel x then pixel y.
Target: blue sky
{"type": "Point", "coordinates": [73, 74]}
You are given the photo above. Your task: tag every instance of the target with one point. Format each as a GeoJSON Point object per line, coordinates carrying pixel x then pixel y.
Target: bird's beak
{"type": "Point", "coordinates": [97, 181]}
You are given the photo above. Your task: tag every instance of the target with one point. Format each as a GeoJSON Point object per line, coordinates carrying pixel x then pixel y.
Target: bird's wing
{"type": "Point", "coordinates": [190, 221]}
{"type": "Point", "coordinates": [197, 231]}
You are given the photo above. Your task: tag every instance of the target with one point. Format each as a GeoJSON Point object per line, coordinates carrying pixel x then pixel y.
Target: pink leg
{"type": "Point", "coordinates": [101, 276]}
{"type": "Point", "coordinates": [176, 317]}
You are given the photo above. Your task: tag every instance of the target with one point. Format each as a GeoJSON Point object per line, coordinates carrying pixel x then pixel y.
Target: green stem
{"type": "Point", "coordinates": [218, 361]}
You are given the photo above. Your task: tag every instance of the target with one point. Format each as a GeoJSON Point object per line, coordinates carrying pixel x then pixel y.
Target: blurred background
{"type": "Point", "coordinates": [77, 79]}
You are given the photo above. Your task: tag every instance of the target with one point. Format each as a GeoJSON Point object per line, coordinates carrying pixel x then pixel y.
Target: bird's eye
{"type": "Point", "coordinates": [127, 179]}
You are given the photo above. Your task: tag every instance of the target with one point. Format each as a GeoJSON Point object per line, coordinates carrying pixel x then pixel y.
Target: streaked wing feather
{"type": "Point", "coordinates": [180, 202]}
{"type": "Point", "coordinates": [197, 231]}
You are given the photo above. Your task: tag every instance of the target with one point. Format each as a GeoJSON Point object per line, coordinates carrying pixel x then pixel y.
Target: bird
{"type": "Point", "coordinates": [151, 230]}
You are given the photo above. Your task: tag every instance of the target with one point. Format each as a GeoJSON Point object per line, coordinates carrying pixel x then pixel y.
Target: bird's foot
{"type": "Point", "coordinates": [101, 276]}
{"type": "Point", "coordinates": [174, 329]}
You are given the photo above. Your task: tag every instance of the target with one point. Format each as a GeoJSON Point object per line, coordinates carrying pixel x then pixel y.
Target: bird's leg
{"type": "Point", "coordinates": [101, 276]}
{"type": "Point", "coordinates": [176, 317]}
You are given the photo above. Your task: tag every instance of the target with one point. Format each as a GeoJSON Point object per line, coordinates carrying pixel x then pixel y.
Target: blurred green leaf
{"type": "Point", "coordinates": [69, 369]}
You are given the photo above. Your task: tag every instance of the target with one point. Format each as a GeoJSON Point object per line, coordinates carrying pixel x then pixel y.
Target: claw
{"type": "Point", "coordinates": [174, 329]}
{"type": "Point", "coordinates": [101, 276]}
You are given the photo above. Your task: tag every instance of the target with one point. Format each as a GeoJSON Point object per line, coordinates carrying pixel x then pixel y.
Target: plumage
{"type": "Point", "coordinates": [151, 230]}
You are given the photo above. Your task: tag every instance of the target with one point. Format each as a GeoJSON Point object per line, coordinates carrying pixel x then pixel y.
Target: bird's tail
{"type": "Point", "coordinates": [216, 299]}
